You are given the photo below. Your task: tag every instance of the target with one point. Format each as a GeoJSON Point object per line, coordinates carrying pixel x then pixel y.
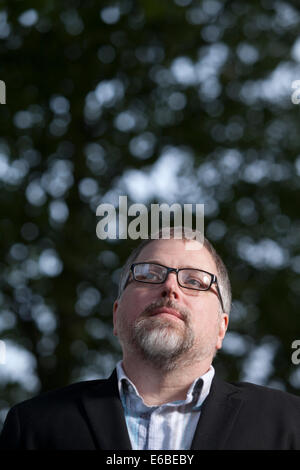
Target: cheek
{"type": "Point", "coordinates": [136, 299]}
{"type": "Point", "coordinates": [206, 323]}
{"type": "Point", "coordinates": [129, 309]}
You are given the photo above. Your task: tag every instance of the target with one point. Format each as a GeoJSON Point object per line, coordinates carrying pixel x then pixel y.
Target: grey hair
{"type": "Point", "coordinates": [222, 273]}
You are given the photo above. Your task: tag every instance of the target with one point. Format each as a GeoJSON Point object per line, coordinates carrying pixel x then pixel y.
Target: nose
{"type": "Point", "coordinates": [170, 287]}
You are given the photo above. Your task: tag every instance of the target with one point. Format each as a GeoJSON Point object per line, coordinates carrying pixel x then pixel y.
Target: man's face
{"type": "Point", "coordinates": [167, 324]}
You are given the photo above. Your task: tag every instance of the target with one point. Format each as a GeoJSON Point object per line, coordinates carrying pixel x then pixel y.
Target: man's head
{"type": "Point", "coordinates": [166, 324]}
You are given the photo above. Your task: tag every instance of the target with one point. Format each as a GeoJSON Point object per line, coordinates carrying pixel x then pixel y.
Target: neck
{"type": "Point", "coordinates": [157, 386]}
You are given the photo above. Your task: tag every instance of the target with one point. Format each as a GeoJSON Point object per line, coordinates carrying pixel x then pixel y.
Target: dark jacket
{"type": "Point", "coordinates": [89, 415]}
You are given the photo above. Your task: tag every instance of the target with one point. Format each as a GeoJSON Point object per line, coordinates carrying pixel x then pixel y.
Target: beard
{"type": "Point", "coordinates": [163, 342]}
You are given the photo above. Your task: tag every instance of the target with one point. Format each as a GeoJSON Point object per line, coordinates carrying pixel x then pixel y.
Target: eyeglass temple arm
{"type": "Point", "coordinates": [219, 293]}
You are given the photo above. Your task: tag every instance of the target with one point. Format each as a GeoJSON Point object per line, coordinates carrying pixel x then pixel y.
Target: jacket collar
{"type": "Point", "coordinates": [105, 414]}
{"type": "Point", "coordinates": [218, 415]}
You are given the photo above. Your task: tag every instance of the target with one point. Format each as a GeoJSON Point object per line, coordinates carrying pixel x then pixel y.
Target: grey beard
{"type": "Point", "coordinates": [162, 343]}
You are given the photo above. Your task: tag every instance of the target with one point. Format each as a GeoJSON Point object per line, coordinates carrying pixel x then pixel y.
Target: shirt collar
{"type": "Point", "coordinates": [196, 393]}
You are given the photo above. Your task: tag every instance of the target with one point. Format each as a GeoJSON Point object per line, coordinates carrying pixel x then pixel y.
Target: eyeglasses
{"type": "Point", "coordinates": [189, 278]}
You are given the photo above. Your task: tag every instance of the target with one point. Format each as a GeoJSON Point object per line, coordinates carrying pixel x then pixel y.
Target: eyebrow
{"type": "Point", "coordinates": [159, 262]}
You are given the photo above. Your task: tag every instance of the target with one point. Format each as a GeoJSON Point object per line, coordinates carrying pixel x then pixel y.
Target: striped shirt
{"type": "Point", "coordinates": [170, 426]}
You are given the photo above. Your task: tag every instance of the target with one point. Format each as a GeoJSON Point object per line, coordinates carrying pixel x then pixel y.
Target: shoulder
{"type": "Point", "coordinates": [65, 398]}
{"type": "Point", "coordinates": [265, 397]}
{"type": "Point", "coordinates": [34, 423]}
{"type": "Point", "coordinates": [259, 390]}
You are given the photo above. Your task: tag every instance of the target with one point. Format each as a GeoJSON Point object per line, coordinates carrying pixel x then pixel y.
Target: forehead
{"type": "Point", "coordinates": [174, 253]}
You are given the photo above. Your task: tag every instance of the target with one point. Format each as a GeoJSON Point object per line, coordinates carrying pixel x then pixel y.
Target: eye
{"type": "Point", "coordinates": [197, 280]}
{"type": "Point", "coordinates": [152, 275]}
{"type": "Point", "coordinates": [193, 282]}
{"type": "Point", "coordinates": [148, 273]}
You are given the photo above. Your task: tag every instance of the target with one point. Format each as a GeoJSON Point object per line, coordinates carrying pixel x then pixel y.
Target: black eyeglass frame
{"type": "Point", "coordinates": [214, 279]}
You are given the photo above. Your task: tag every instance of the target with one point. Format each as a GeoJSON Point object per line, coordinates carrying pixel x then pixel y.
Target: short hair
{"type": "Point", "coordinates": [187, 234]}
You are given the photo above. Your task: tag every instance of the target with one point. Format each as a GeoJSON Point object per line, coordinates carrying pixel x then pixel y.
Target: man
{"type": "Point", "coordinates": [170, 316]}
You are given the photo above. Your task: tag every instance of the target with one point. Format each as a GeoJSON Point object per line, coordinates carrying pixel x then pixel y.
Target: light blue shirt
{"type": "Point", "coordinates": [170, 426]}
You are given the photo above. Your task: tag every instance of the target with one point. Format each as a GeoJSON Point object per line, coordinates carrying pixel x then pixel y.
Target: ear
{"type": "Point", "coordinates": [115, 308]}
{"type": "Point", "coordinates": [223, 325]}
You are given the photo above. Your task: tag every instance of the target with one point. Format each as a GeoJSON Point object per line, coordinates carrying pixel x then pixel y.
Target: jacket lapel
{"type": "Point", "coordinates": [218, 414]}
{"type": "Point", "coordinates": [105, 415]}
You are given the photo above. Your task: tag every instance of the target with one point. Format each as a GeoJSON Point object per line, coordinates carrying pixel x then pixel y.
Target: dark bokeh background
{"type": "Point", "coordinates": [183, 101]}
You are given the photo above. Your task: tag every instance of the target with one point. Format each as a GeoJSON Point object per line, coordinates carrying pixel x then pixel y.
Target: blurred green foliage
{"type": "Point", "coordinates": [185, 101]}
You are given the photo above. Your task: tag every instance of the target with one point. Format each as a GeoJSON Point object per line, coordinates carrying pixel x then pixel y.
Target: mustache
{"type": "Point", "coordinates": [147, 312]}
